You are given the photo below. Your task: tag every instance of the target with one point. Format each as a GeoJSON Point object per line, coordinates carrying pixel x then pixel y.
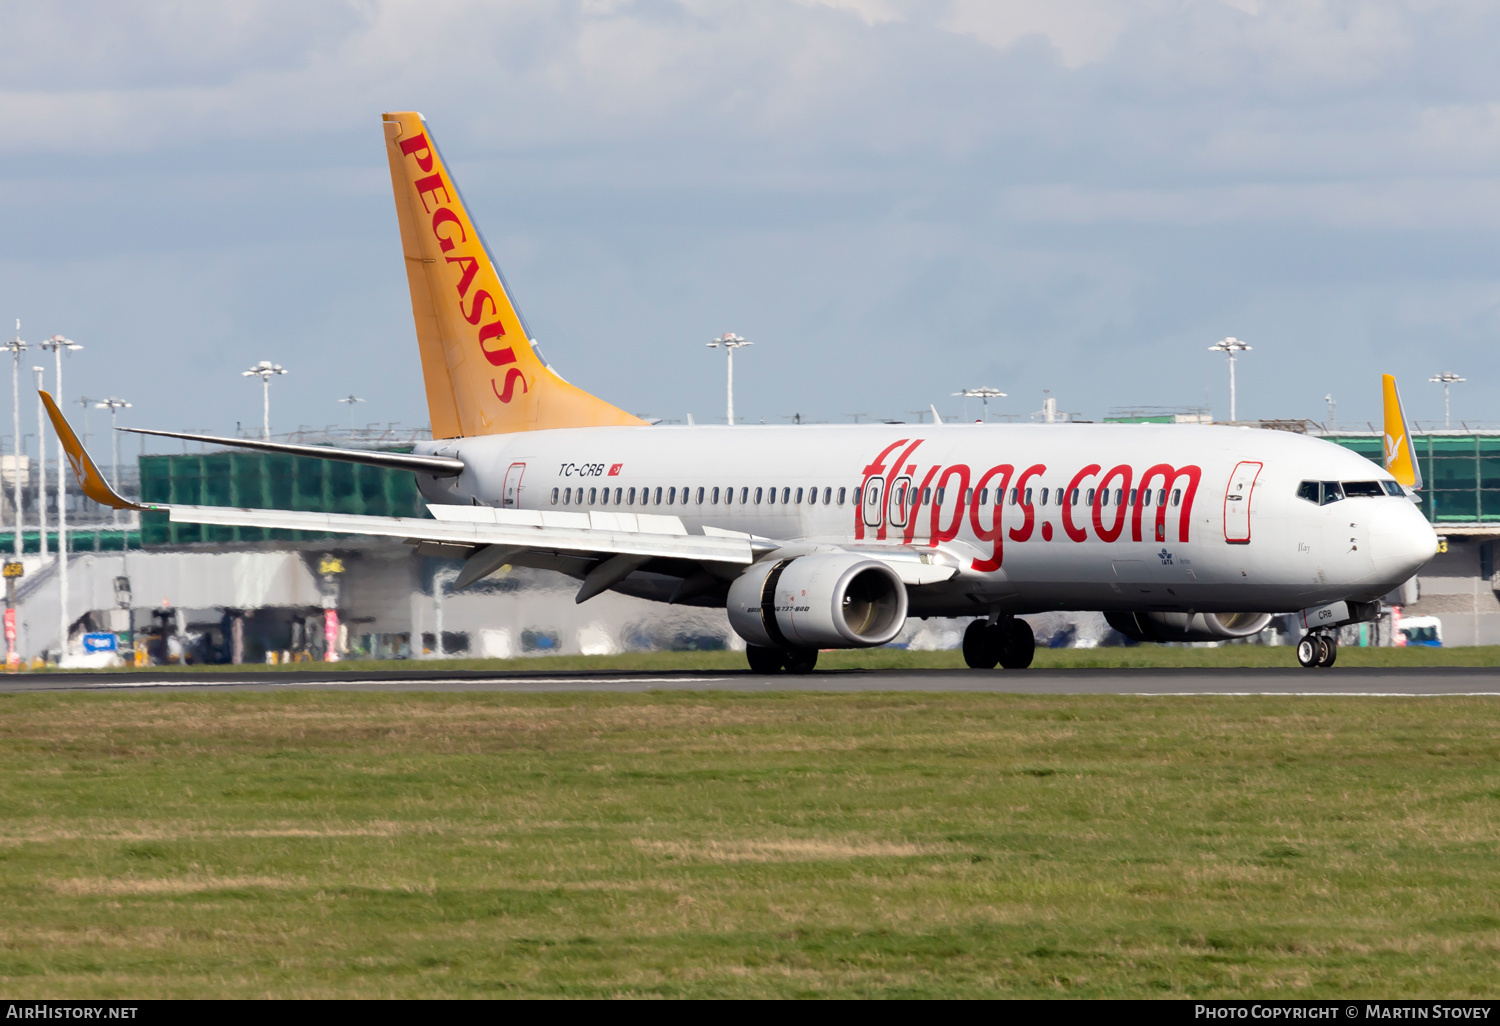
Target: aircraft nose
{"type": "Point", "coordinates": [1401, 540]}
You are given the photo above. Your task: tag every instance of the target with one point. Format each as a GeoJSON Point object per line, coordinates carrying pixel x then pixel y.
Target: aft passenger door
{"type": "Point", "coordinates": [511, 497]}
{"type": "Point", "coordinates": [1237, 502]}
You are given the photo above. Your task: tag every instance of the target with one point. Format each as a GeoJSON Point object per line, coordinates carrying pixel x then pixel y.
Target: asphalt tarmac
{"type": "Point", "coordinates": [1352, 682]}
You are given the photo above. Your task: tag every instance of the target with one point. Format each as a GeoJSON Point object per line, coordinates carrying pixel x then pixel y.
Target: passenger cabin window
{"type": "Point", "coordinates": [630, 497]}
{"type": "Point", "coordinates": [758, 493]}
{"type": "Point", "coordinates": [799, 495]}
{"type": "Point", "coordinates": [1363, 489]}
{"type": "Point", "coordinates": [554, 496]}
{"type": "Point", "coordinates": [1044, 498]}
{"type": "Point", "coordinates": [841, 496]}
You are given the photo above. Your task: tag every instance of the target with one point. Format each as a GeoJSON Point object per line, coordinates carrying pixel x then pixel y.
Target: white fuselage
{"type": "Point", "coordinates": [1232, 536]}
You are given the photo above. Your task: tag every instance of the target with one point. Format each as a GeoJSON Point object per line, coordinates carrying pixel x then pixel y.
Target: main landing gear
{"type": "Point", "coordinates": [1008, 642]}
{"type": "Point", "coordinates": [774, 660]}
{"type": "Point", "coordinates": [1318, 648]}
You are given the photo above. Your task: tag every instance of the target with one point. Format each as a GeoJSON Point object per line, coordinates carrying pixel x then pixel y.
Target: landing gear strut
{"type": "Point", "coordinates": [774, 660]}
{"type": "Point", "coordinates": [1318, 648]}
{"type": "Point", "coordinates": [1009, 643]}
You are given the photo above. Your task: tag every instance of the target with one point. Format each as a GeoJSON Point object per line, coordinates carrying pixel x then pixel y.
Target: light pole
{"type": "Point", "coordinates": [58, 344]}
{"type": "Point", "coordinates": [41, 467]}
{"type": "Point", "coordinates": [351, 399]}
{"type": "Point", "coordinates": [114, 406]}
{"type": "Point", "coordinates": [1332, 402]}
{"type": "Point", "coordinates": [983, 394]}
{"type": "Point", "coordinates": [1230, 346]}
{"type": "Point", "coordinates": [16, 347]}
{"type": "Point", "coordinates": [265, 370]}
{"type": "Point", "coordinates": [86, 404]}
{"type": "Point", "coordinates": [730, 342]}
{"type": "Point", "coordinates": [1447, 379]}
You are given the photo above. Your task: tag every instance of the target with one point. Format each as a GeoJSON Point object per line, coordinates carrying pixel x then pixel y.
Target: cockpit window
{"type": "Point", "coordinates": [1363, 489]}
{"type": "Point", "coordinates": [1321, 492]}
{"type": "Point", "coordinates": [1392, 488]}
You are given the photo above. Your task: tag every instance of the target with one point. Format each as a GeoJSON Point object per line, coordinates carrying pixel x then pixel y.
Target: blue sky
{"type": "Point", "coordinates": [893, 201]}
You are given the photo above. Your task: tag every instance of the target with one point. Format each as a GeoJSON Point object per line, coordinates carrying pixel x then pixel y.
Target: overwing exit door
{"type": "Point", "coordinates": [511, 498]}
{"type": "Point", "coordinates": [1237, 502]}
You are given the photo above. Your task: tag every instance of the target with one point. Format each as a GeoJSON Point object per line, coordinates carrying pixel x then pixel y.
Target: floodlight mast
{"type": "Point", "coordinates": [730, 342]}
{"type": "Point", "coordinates": [114, 406]}
{"type": "Point", "coordinates": [351, 399]}
{"type": "Point", "coordinates": [983, 394]}
{"type": "Point", "coordinates": [1230, 346]}
{"type": "Point", "coordinates": [58, 344]}
{"type": "Point", "coordinates": [265, 370]}
{"type": "Point", "coordinates": [41, 466]}
{"type": "Point", "coordinates": [16, 348]}
{"type": "Point", "coordinates": [1447, 379]}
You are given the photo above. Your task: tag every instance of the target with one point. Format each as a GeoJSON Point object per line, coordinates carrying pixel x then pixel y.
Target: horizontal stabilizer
{"type": "Point", "coordinates": [436, 466]}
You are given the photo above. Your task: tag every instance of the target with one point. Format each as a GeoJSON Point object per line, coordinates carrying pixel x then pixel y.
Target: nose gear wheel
{"type": "Point", "coordinates": [1317, 649]}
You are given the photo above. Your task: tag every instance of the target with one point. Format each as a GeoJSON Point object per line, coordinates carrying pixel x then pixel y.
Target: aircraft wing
{"type": "Point", "coordinates": [479, 527]}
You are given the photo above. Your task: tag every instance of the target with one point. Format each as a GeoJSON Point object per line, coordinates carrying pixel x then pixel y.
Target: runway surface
{"type": "Point", "coordinates": [1164, 682]}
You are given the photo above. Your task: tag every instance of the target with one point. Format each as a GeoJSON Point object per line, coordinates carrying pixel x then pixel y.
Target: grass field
{"type": "Point", "coordinates": [684, 844]}
{"type": "Point", "coordinates": [895, 658]}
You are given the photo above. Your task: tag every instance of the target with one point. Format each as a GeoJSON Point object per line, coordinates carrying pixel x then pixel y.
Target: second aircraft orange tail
{"type": "Point", "coordinates": [482, 373]}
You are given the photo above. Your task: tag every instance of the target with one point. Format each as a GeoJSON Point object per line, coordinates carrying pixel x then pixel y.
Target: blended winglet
{"type": "Point", "coordinates": [89, 479]}
{"type": "Point", "coordinates": [1400, 458]}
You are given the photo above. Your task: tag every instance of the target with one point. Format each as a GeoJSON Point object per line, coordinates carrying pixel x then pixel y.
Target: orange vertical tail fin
{"type": "Point", "coordinates": [1400, 457]}
{"type": "Point", "coordinates": [481, 368]}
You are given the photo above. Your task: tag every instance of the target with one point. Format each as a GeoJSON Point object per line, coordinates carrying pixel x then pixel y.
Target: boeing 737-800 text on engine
{"type": "Point", "coordinates": [831, 537]}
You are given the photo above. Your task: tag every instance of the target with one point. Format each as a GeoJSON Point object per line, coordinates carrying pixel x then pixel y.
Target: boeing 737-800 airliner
{"type": "Point", "coordinates": [820, 537]}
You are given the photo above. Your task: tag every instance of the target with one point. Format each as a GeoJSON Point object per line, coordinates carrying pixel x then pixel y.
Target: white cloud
{"type": "Point", "coordinates": [1082, 31]}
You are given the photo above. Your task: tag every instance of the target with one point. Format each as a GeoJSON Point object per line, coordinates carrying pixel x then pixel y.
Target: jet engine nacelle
{"type": "Point", "coordinates": [1187, 626]}
{"type": "Point", "coordinates": [826, 600]}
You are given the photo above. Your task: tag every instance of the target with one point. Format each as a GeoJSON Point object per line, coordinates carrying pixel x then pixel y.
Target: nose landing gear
{"type": "Point", "coordinates": [1010, 643]}
{"type": "Point", "coordinates": [1318, 648]}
